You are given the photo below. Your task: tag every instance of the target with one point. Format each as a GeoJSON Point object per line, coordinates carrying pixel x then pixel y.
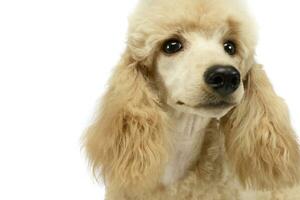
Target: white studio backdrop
{"type": "Point", "coordinates": [55, 59]}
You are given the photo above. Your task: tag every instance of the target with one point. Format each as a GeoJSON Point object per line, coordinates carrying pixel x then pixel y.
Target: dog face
{"type": "Point", "coordinates": [202, 72]}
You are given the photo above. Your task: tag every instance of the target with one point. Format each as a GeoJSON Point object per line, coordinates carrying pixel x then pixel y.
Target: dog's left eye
{"type": "Point", "coordinates": [230, 47]}
{"type": "Point", "coordinates": [172, 46]}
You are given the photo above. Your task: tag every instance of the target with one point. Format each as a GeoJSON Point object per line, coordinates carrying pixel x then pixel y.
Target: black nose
{"type": "Point", "coordinates": [223, 79]}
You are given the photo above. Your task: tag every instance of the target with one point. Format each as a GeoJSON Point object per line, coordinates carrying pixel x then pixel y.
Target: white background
{"type": "Point", "coordinates": [55, 59]}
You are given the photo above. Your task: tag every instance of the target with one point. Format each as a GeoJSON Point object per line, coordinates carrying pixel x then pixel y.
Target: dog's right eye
{"type": "Point", "coordinates": [172, 46]}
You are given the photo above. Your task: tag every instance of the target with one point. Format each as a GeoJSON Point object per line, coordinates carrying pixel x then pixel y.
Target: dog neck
{"type": "Point", "coordinates": [186, 139]}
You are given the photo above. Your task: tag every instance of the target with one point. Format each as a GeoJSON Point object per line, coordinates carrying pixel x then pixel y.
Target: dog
{"type": "Point", "coordinates": [189, 114]}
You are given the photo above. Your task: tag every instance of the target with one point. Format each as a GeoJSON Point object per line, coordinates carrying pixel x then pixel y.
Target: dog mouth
{"type": "Point", "coordinates": [216, 105]}
{"type": "Point", "coordinates": [210, 105]}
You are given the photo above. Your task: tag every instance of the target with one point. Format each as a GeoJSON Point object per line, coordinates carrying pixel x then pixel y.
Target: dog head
{"type": "Point", "coordinates": [201, 51]}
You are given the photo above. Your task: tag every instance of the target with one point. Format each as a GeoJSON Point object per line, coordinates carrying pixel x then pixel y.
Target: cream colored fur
{"type": "Point", "coordinates": [187, 138]}
{"type": "Point", "coordinates": [146, 146]}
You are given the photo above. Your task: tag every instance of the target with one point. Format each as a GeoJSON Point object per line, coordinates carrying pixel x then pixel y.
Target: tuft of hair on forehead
{"type": "Point", "coordinates": [238, 5]}
{"type": "Point", "coordinates": [155, 13]}
{"type": "Point", "coordinates": [172, 9]}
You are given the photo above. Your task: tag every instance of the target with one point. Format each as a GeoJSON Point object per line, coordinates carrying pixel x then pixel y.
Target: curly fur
{"type": "Point", "coordinates": [263, 142]}
{"type": "Point", "coordinates": [128, 138]}
{"type": "Point", "coordinates": [130, 143]}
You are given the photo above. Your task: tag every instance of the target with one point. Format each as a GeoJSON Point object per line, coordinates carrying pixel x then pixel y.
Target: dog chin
{"type": "Point", "coordinates": [215, 112]}
{"type": "Point", "coordinates": [207, 112]}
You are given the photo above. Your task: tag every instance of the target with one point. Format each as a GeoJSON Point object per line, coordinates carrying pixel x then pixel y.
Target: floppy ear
{"type": "Point", "coordinates": [260, 142]}
{"type": "Point", "coordinates": [126, 143]}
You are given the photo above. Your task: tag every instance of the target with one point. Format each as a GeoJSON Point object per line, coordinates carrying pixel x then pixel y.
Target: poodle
{"type": "Point", "coordinates": [189, 114]}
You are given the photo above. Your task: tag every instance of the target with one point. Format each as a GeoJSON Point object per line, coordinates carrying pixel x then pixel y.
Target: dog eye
{"type": "Point", "coordinates": [230, 47]}
{"type": "Point", "coordinates": [172, 46]}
